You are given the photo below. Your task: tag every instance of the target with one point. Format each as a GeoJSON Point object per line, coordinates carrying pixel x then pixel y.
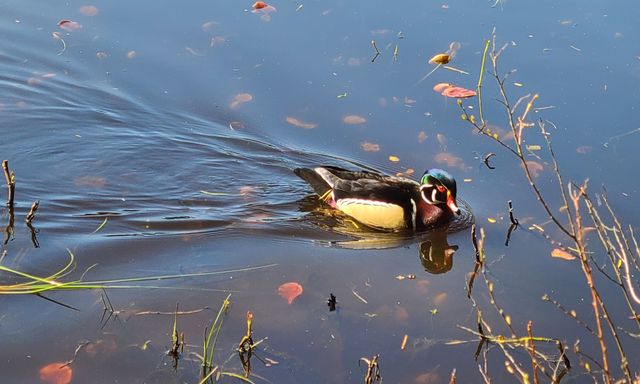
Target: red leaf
{"type": "Point", "coordinates": [56, 373]}
{"type": "Point", "coordinates": [289, 291]}
{"type": "Point", "coordinates": [458, 92]}
{"type": "Point", "coordinates": [259, 5]}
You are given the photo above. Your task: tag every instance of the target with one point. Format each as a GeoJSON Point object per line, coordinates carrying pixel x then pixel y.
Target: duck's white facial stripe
{"type": "Point", "coordinates": [414, 209]}
{"type": "Point", "coordinates": [433, 199]}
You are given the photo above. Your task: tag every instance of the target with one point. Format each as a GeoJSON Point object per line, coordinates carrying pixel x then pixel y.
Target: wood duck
{"type": "Point", "coordinates": [386, 202]}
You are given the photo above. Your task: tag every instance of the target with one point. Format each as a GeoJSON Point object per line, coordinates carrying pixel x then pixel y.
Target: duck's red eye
{"type": "Point", "coordinates": [440, 188]}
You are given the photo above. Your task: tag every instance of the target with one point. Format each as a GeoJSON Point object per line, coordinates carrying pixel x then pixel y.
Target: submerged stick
{"type": "Point", "coordinates": [10, 177]}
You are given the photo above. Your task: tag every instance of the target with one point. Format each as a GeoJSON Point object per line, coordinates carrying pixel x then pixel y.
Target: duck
{"type": "Point", "coordinates": [386, 202]}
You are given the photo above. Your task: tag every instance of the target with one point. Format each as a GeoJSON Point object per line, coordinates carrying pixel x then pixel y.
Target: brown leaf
{"type": "Point", "coordinates": [422, 136]}
{"type": "Point", "coordinates": [370, 147]}
{"type": "Point", "coordinates": [439, 299]}
{"type": "Point", "coordinates": [534, 167]}
{"type": "Point", "coordinates": [584, 150]}
{"type": "Point", "coordinates": [562, 254]}
{"type": "Point", "coordinates": [299, 123]}
{"type": "Point", "coordinates": [240, 99]}
{"type": "Point", "coordinates": [450, 160]}
{"type": "Point", "coordinates": [90, 181]}
{"type": "Point", "coordinates": [440, 58]}
{"type": "Point", "coordinates": [89, 10]}
{"type": "Point", "coordinates": [354, 120]}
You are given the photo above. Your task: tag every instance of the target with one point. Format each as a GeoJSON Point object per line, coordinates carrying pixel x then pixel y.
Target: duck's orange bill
{"type": "Point", "coordinates": [451, 203]}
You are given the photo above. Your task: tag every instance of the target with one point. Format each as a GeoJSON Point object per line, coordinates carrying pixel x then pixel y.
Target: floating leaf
{"type": "Point", "coordinates": [132, 54]}
{"type": "Point", "coordinates": [441, 87]}
{"type": "Point", "coordinates": [422, 136]}
{"type": "Point", "coordinates": [562, 254]}
{"type": "Point", "coordinates": [534, 147]}
{"type": "Point", "coordinates": [89, 10]}
{"type": "Point", "coordinates": [264, 9]}
{"type": "Point", "coordinates": [534, 167]}
{"type": "Point", "coordinates": [394, 159]}
{"type": "Point", "coordinates": [69, 25]}
{"type": "Point", "coordinates": [56, 373]}
{"type": "Point", "coordinates": [492, 220]}
{"type": "Point", "coordinates": [207, 25]}
{"type": "Point", "coordinates": [370, 147]}
{"type": "Point", "coordinates": [439, 299]}
{"type": "Point", "coordinates": [458, 92]}
{"type": "Point", "coordinates": [90, 181]}
{"type": "Point", "coordinates": [289, 291]}
{"type": "Point", "coordinates": [299, 123]}
{"type": "Point", "coordinates": [585, 149]}
{"type": "Point", "coordinates": [450, 160]}
{"type": "Point", "coordinates": [440, 58]}
{"type": "Point", "coordinates": [240, 99]}
{"type": "Point", "coordinates": [259, 5]}
{"type": "Point", "coordinates": [354, 120]}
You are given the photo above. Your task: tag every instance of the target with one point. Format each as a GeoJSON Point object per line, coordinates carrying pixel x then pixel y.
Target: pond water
{"type": "Point", "coordinates": [160, 139]}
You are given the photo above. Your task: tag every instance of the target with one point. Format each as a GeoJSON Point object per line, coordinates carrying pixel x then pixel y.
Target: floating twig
{"type": "Point", "coordinates": [75, 354]}
{"type": "Point", "coordinates": [373, 43]}
{"type": "Point", "coordinates": [486, 160]}
{"type": "Point", "coordinates": [355, 293]}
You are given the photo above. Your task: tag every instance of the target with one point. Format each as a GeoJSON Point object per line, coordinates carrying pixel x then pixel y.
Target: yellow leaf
{"type": "Point", "coordinates": [393, 158]}
{"type": "Point", "coordinates": [562, 254]}
{"type": "Point", "coordinates": [440, 58]}
{"type": "Point", "coordinates": [491, 220]}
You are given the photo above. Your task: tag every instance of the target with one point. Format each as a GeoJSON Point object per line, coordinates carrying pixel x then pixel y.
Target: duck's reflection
{"type": "Point", "coordinates": [436, 255]}
{"type": "Point", "coordinates": [435, 252]}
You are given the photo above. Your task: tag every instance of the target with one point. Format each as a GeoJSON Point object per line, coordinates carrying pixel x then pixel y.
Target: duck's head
{"type": "Point", "coordinates": [438, 187]}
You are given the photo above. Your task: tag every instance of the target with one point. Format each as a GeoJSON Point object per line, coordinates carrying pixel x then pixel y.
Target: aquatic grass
{"type": "Point", "coordinates": [38, 284]}
{"type": "Point", "coordinates": [210, 340]}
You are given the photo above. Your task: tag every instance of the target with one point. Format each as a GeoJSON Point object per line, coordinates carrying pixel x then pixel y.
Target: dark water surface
{"type": "Point", "coordinates": [136, 119]}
